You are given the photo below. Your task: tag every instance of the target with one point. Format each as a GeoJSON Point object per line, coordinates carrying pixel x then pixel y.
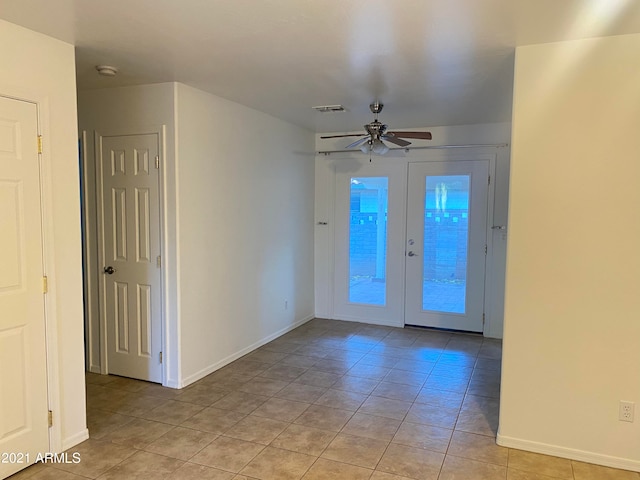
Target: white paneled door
{"type": "Point", "coordinates": [130, 254]}
{"type": "Point", "coordinates": [24, 430]}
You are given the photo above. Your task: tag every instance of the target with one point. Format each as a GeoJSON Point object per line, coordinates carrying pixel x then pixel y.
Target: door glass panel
{"type": "Point", "coordinates": [368, 240]}
{"type": "Point", "coordinates": [446, 237]}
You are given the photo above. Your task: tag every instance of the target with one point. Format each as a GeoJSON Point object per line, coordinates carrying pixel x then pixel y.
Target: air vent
{"type": "Point", "coordinates": [330, 108]}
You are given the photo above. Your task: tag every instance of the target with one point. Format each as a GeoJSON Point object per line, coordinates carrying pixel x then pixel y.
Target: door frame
{"type": "Point", "coordinates": [93, 268]}
{"type": "Point", "coordinates": [351, 162]}
{"type": "Point", "coordinates": [48, 261]}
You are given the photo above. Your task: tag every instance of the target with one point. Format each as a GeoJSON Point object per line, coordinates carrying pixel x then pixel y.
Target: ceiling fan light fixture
{"type": "Point", "coordinates": [378, 147]}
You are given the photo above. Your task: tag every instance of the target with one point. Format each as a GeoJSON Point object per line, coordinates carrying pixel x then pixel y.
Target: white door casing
{"type": "Point", "coordinates": [465, 309]}
{"type": "Point", "coordinates": [129, 247]}
{"type": "Point", "coordinates": [23, 367]}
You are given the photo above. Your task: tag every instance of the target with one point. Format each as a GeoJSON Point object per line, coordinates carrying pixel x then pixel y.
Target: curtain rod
{"type": "Point", "coordinates": [428, 147]}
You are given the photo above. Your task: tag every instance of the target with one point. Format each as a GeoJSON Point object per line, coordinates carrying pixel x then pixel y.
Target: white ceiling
{"type": "Point", "coordinates": [432, 62]}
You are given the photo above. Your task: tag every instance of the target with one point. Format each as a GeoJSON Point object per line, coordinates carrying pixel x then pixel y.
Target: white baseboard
{"type": "Point", "coordinates": [74, 440]}
{"type": "Point", "coordinates": [570, 453]}
{"type": "Point", "coordinates": [240, 353]}
{"type": "Point", "coordinates": [95, 369]}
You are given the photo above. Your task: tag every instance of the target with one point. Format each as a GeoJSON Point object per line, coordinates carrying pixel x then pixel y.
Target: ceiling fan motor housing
{"type": "Point", "coordinates": [375, 128]}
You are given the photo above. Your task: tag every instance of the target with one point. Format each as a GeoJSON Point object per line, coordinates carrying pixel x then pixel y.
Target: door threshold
{"type": "Point", "coordinates": [445, 330]}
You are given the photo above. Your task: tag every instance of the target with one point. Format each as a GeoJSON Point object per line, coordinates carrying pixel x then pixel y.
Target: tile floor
{"type": "Point", "coordinates": [329, 400]}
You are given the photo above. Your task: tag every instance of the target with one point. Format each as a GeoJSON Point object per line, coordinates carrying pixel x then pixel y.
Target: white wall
{"type": "Point", "coordinates": [41, 69]}
{"type": "Point", "coordinates": [245, 229]}
{"type": "Point", "coordinates": [572, 313]}
{"type": "Point", "coordinates": [482, 134]}
{"type": "Point", "coordinates": [238, 213]}
{"type": "Point", "coordinates": [130, 110]}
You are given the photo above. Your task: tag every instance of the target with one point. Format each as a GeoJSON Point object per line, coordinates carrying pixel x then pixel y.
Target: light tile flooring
{"type": "Point", "coordinates": [329, 400]}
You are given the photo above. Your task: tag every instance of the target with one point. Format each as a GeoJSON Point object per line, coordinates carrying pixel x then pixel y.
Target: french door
{"type": "Point", "coordinates": [369, 231]}
{"type": "Point", "coordinates": [411, 243]}
{"type": "Point", "coordinates": [446, 244]}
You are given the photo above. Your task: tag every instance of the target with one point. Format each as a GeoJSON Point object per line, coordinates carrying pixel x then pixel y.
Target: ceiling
{"type": "Point", "coordinates": [432, 62]}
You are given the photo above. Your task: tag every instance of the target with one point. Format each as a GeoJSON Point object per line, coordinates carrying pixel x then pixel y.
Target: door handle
{"type": "Point", "coordinates": [411, 254]}
{"type": "Point", "coordinates": [109, 270]}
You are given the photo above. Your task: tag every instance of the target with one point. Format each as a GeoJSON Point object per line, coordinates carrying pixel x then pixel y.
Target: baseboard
{"type": "Point", "coordinates": [571, 453]}
{"type": "Point", "coordinates": [74, 440]}
{"type": "Point", "coordinates": [240, 353]}
{"type": "Point", "coordinates": [95, 369]}
{"type": "Point", "coordinates": [369, 321]}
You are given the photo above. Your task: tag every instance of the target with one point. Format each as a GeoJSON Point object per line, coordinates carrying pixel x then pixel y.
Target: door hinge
{"type": "Point", "coordinates": [45, 285]}
{"type": "Point", "coordinates": [485, 248]}
{"type": "Point", "coordinates": [157, 161]}
{"type": "Point", "coordinates": [489, 181]}
{"type": "Point", "coordinates": [483, 319]}
{"type": "Point", "coordinates": [39, 143]}
{"type": "Point", "coordinates": [160, 357]}
{"type": "Point", "coordinates": [50, 418]}
{"type": "Point", "coordinates": [159, 261]}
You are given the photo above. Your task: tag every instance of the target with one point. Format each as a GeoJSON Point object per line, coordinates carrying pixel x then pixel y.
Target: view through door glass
{"type": "Point", "coordinates": [368, 240]}
{"type": "Point", "coordinates": [446, 236]}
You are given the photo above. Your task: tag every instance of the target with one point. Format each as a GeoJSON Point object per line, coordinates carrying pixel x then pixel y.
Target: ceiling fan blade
{"type": "Point", "coordinates": [420, 135]}
{"type": "Point", "coordinates": [348, 135]}
{"type": "Point", "coordinates": [396, 140]}
{"type": "Point", "coordinates": [357, 143]}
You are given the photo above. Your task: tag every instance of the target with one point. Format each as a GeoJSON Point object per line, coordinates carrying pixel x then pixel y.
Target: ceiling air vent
{"type": "Point", "coordinates": [329, 108]}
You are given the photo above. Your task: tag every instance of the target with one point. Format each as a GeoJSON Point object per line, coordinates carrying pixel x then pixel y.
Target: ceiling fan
{"type": "Point", "coordinates": [376, 132]}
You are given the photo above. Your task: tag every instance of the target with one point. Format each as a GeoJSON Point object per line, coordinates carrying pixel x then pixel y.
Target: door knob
{"type": "Point", "coordinates": [109, 270]}
{"type": "Point", "coordinates": [411, 254]}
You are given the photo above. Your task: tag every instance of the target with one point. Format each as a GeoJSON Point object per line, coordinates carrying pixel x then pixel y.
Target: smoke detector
{"type": "Point", "coordinates": [107, 70]}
